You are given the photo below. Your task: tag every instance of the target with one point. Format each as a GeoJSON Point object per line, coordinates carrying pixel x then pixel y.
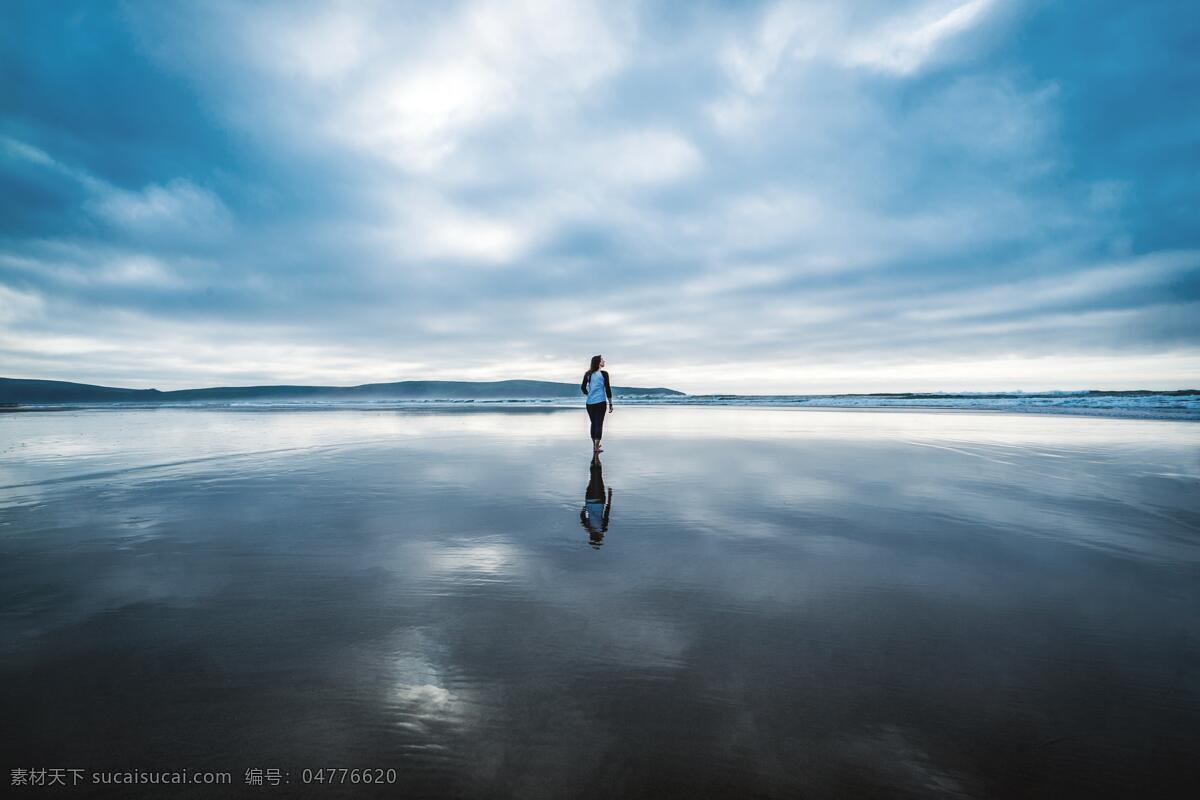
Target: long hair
{"type": "Point", "coordinates": [587, 376]}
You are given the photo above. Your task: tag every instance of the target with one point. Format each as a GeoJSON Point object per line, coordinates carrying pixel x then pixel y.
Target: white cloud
{"type": "Point", "coordinates": [17, 306]}
{"type": "Point", "coordinates": [646, 157]}
{"type": "Point", "coordinates": [735, 278]}
{"type": "Point", "coordinates": [27, 152]}
{"type": "Point", "coordinates": [416, 117]}
{"type": "Point", "coordinates": [320, 44]}
{"type": "Point", "coordinates": [179, 207]}
{"type": "Point", "coordinates": [752, 63]}
{"type": "Point", "coordinates": [72, 267]}
{"type": "Point", "coordinates": [1090, 283]}
{"type": "Point", "coordinates": [989, 117]}
{"type": "Point", "coordinates": [905, 45]}
{"type": "Point", "coordinates": [423, 226]}
{"type": "Point", "coordinates": [900, 43]}
{"type": "Point", "coordinates": [452, 234]}
{"type": "Point", "coordinates": [138, 270]}
{"type": "Point", "coordinates": [490, 62]}
{"type": "Point", "coordinates": [16, 148]}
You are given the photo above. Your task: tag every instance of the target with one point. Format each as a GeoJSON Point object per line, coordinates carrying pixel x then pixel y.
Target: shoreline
{"type": "Point", "coordinates": [554, 405]}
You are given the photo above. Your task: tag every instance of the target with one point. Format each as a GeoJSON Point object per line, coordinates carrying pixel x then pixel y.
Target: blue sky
{"type": "Point", "coordinates": [721, 197]}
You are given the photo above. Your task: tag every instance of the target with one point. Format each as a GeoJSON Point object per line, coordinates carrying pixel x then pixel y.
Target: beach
{"type": "Point", "coordinates": [782, 602]}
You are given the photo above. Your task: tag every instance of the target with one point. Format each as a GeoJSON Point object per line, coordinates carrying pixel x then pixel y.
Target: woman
{"type": "Point", "coordinates": [597, 387]}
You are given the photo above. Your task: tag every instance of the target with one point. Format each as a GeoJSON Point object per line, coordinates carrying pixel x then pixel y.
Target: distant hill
{"type": "Point", "coordinates": [19, 391]}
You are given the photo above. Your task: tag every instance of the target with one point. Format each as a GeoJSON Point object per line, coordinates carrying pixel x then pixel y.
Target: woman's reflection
{"type": "Point", "coordinates": [596, 505]}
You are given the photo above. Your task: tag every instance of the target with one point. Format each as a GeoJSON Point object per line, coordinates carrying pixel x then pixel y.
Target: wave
{"type": "Point", "coordinates": [1184, 405]}
{"type": "Point", "coordinates": [1149, 405]}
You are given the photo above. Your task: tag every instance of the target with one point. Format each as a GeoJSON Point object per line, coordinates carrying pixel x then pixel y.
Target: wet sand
{"type": "Point", "coordinates": [782, 602]}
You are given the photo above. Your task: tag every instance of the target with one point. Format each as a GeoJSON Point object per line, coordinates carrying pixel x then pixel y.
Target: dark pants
{"type": "Point", "coordinates": [596, 412]}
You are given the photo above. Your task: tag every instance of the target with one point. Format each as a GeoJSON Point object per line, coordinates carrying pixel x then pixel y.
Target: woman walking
{"type": "Point", "coordinates": [597, 386]}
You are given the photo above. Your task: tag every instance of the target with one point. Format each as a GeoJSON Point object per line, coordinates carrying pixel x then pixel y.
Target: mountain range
{"type": "Point", "coordinates": [21, 391]}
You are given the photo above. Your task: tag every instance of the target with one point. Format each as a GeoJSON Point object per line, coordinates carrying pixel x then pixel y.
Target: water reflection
{"type": "Point", "coordinates": [597, 504]}
{"type": "Point", "coordinates": [801, 604]}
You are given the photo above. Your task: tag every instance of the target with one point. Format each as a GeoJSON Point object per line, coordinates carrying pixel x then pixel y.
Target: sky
{"type": "Point", "coordinates": [791, 197]}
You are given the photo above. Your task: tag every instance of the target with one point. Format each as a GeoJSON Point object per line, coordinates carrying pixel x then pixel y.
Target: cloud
{"type": "Point", "coordinates": [178, 209]}
{"type": "Point", "coordinates": [439, 231]}
{"type": "Point", "coordinates": [753, 197]}
{"type": "Point", "coordinates": [410, 90]}
{"type": "Point", "coordinates": [646, 157]}
{"type": "Point", "coordinates": [16, 306]}
{"type": "Point", "coordinates": [898, 39]}
{"type": "Point", "coordinates": [1083, 289]}
{"type": "Point", "coordinates": [28, 152]}
{"type": "Point", "coordinates": [906, 45]}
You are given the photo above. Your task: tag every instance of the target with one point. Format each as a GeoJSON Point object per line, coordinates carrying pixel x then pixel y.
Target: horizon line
{"type": "Point", "coordinates": [570, 383]}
